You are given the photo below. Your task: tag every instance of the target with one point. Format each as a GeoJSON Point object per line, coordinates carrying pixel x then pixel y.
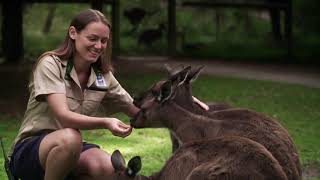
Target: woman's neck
{"type": "Point", "coordinates": [83, 70]}
{"type": "Point", "coordinates": [81, 66]}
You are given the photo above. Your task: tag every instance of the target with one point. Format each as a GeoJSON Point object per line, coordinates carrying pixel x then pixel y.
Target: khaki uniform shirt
{"type": "Point", "coordinates": [51, 76]}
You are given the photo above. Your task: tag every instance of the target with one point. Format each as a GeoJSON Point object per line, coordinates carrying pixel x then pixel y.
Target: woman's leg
{"type": "Point", "coordinates": [94, 164]}
{"type": "Point", "coordinates": [59, 153]}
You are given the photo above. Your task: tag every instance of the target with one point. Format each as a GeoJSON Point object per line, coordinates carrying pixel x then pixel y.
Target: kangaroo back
{"type": "Point", "coordinates": [227, 157]}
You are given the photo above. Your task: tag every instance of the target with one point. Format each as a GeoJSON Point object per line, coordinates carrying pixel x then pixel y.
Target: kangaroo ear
{"type": "Point", "coordinates": [173, 70]}
{"type": "Point", "coordinates": [165, 92]}
{"type": "Point", "coordinates": [193, 74]}
{"type": "Point", "coordinates": [180, 76]}
{"type": "Point", "coordinates": [168, 68]}
{"type": "Point", "coordinates": [118, 162]}
{"type": "Point", "coordinates": [134, 166]}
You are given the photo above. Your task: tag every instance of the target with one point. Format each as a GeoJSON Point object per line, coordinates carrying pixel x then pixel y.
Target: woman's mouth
{"type": "Point", "coordinates": [94, 54]}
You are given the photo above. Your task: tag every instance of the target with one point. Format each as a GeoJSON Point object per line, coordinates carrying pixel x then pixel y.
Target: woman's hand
{"type": "Point", "coordinates": [200, 103]}
{"type": "Point", "coordinates": [118, 128]}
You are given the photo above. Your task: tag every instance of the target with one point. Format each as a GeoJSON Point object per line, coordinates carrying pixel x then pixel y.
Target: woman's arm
{"type": "Point", "coordinates": [200, 103]}
{"type": "Point", "coordinates": [132, 110]}
{"type": "Point", "coordinates": [58, 104]}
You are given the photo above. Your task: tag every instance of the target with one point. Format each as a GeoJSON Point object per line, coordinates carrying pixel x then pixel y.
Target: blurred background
{"type": "Point", "coordinates": [225, 29]}
{"type": "Point", "coordinates": [260, 39]}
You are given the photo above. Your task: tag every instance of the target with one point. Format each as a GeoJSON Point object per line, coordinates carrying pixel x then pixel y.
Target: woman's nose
{"type": "Point", "coordinates": [98, 45]}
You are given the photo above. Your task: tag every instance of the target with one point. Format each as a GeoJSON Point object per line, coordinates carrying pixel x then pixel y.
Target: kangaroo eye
{"type": "Point", "coordinates": [154, 93]}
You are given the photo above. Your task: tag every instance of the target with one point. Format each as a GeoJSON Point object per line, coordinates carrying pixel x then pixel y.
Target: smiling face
{"type": "Point", "coordinates": [90, 42]}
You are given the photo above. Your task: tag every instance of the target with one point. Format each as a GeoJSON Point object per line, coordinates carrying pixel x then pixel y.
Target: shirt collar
{"type": "Point", "coordinates": [92, 77]}
{"type": "Point", "coordinates": [63, 62]}
{"type": "Point", "coordinates": [72, 74]}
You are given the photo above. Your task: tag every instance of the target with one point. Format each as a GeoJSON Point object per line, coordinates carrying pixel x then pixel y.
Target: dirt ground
{"type": "Point", "coordinates": [306, 75]}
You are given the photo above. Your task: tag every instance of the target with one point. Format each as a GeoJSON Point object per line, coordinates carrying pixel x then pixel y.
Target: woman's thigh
{"type": "Point", "coordinates": [24, 162]}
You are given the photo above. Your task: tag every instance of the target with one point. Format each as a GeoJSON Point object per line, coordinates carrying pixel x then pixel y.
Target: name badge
{"type": "Point", "coordinates": [100, 83]}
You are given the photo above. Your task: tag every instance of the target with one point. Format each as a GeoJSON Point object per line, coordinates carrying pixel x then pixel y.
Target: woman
{"type": "Point", "coordinates": [67, 86]}
{"type": "Point", "coordinates": [66, 89]}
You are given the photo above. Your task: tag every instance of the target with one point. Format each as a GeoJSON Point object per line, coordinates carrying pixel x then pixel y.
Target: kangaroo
{"type": "Point", "coordinates": [229, 157]}
{"type": "Point", "coordinates": [158, 109]}
{"type": "Point", "coordinates": [182, 78]}
{"type": "Point", "coordinates": [123, 172]}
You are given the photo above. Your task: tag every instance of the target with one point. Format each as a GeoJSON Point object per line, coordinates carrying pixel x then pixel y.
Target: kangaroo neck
{"type": "Point", "coordinates": [185, 100]}
{"type": "Point", "coordinates": [183, 97]}
{"type": "Point", "coordinates": [176, 116]}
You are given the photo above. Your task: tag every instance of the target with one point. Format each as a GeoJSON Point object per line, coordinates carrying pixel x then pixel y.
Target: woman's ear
{"type": "Point", "coordinates": [72, 32]}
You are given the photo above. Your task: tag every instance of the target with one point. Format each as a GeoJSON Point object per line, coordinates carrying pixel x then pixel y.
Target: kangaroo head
{"type": "Point", "coordinates": [182, 78]}
{"type": "Point", "coordinates": [152, 105]}
{"type": "Point", "coordinates": [152, 101]}
{"type": "Point", "coordinates": [176, 76]}
{"type": "Point", "coordinates": [121, 171]}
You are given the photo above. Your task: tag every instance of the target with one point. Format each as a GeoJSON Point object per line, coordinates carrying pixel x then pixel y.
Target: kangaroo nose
{"type": "Point", "coordinates": [136, 118]}
{"type": "Point", "coordinates": [136, 102]}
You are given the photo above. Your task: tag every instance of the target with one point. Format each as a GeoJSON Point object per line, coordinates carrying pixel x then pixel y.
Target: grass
{"type": "Point", "coordinates": [295, 106]}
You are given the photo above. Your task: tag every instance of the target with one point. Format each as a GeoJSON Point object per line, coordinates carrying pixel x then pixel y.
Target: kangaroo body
{"type": "Point", "coordinates": [229, 157]}
{"type": "Point", "coordinates": [160, 108]}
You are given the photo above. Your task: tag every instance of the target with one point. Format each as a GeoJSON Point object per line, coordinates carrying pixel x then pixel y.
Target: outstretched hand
{"type": "Point", "coordinates": [118, 128]}
{"type": "Point", "coordinates": [200, 103]}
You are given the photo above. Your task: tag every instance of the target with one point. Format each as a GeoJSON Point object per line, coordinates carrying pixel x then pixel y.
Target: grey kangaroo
{"type": "Point", "coordinates": [159, 109]}
{"type": "Point", "coordinates": [230, 157]}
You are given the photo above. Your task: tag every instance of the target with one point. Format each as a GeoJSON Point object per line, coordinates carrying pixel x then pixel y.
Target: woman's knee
{"type": "Point", "coordinates": [65, 143]}
{"type": "Point", "coordinates": [97, 163]}
{"type": "Point", "coordinates": [71, 139]}
{"type": "Point", "coordinates": [100, 169]}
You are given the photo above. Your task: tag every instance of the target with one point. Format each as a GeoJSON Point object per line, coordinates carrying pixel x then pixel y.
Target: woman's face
{"type": "Point", "coordinates": [91, 41]}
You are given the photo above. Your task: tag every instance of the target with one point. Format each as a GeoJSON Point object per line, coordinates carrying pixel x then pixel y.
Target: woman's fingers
{"type": "Point", "coordinates": [200, 103]}
{"type": "Point", "coordinates": [121, 129]}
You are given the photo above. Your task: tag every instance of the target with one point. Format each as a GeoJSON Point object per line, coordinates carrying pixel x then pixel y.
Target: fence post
{"type": "Point", "coordinates": [115, 28]}
{"type": "Point", "coordinates": [172, 27]}
{"type": "Point", "coordinates": [12, 34]}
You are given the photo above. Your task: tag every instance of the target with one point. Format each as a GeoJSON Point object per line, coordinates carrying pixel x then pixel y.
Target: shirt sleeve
{"type": "Point", "coordinates": [47, 78]}
{"type": "Point", "coordinates": [117, 99]}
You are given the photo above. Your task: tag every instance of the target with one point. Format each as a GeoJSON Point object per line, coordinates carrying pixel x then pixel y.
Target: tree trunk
{"type": "Point", "coordinates": [12, 33]}
{"type": "Point", "coordinates": [49, 19]}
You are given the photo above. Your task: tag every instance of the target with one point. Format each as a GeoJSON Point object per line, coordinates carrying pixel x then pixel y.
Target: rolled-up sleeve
{"type": "Point", "coordinates": [47, 78]}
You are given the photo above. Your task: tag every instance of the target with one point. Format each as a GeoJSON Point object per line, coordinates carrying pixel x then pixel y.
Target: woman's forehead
{"type": "Point", "coordinates": [97, 28]}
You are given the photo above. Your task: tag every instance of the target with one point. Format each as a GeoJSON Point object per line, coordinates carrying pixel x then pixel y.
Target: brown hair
{"type": "Point", "coordinates": [66, 50]}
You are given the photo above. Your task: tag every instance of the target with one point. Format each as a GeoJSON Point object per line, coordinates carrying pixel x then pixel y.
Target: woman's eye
{"type": "Point", "coordinates": [92, 39]}
{"type": "Point", "coordinates": [103, 41]}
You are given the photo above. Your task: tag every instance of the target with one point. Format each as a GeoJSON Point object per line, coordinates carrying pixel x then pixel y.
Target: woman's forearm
{"type": "Point", "coordinates": [67, 118]}
{"type": "Point", "coordinates": [132, 110]}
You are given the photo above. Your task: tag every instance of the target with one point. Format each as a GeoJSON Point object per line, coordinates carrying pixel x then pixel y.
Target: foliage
{"type": "Point", "coordinates": [245, 33]}
{"type": "Point", "coordinates": [307, 15]}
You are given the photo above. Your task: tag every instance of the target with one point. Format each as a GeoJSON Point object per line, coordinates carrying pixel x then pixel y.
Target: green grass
{"type": "Point", "coordinates": [295, 106]}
